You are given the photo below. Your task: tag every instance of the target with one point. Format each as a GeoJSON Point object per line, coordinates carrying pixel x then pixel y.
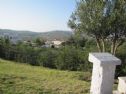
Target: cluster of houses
{"type": "Point", "coordinates": [54, 43]}
{"type": "Point", "coordinates": [49, 43]}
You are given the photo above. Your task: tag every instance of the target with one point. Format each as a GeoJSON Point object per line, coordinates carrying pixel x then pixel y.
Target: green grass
{"type": "Point", "coordinates": [17, 78]}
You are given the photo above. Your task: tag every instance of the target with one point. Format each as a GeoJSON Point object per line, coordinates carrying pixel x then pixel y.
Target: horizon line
{"type": "Point", "coordinates": [33, 31]}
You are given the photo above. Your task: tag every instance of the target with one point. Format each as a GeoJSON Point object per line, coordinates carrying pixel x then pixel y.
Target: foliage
{"type": "Point", "coordinates": [69, 57]}
{"type": "Point", "coordinates": [121, 53]}
{"type": "Point", "coordinates": [47, 58]}
{"type": "Point", "coordinates": [104, 20]}
{"type": "Point", "coordinates": [40, 42]}
{"type": "Point", "coordinates": [76, 41]}
{"type": "Point", "coordinates": [72, 57]}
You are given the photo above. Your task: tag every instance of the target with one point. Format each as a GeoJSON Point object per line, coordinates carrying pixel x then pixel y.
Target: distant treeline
{"type": "Point", "coordinates": [72, 55]}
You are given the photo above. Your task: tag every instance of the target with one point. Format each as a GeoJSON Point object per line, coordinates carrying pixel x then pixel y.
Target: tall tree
{"type": "Point", "coordinates": [104, 20]}
{"type": "Point", "coordinates": [117, 25]}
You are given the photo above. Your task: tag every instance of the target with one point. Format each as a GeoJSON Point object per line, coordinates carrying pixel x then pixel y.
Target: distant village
{"type": "Point", "coordinates": [48, 43]}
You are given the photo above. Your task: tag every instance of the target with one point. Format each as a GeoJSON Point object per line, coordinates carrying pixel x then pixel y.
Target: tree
{"type": "Point", "coordinates": [39, 42]}
{"type": "Point", "coordinates": [76, 40]}
{"type": "Point", "coordinates": [47, 58]}
{"type": "Point", "coordinates": [104, 20]}
{"type": "Point", "coordinates": [117, 25]}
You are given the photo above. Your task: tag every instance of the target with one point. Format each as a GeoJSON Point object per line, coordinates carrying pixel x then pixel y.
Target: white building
{"type": "Point", "coordinates": [55, 43]}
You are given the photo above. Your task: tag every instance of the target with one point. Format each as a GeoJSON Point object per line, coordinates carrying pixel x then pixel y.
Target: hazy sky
{"type": "Point", "coordinates": [35, 15]}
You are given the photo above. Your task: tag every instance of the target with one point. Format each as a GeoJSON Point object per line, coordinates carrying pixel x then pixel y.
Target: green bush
{"type": "Point", "coordinates": [71, 58]}
{"type": "Point", "coordinates": [121, 70]}
{"type": "Point", "coordinates": [47, 58]}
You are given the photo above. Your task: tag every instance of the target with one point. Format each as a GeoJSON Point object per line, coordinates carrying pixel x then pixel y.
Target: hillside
{"type": "Point", "coordinates": [28, 35]}
{"type": "Point", "coordinates": [60, 35]}
{"type": "Point", "coordinates": [16, 78]}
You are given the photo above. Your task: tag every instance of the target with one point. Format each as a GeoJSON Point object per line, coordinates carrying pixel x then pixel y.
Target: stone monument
{"type": "Point", "coordinates": [104, 65]}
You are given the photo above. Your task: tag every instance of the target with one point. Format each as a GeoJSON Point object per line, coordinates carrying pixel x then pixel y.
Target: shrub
{"type": "Point", "coordinates": [47, 58]}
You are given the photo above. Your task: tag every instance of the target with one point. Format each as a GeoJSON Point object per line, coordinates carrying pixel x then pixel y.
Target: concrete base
{"type": "Point", "coordinates": [122, 85]}
{"type": "Point", "coordinates": [103, 72]}
{"type": "Point", "coordinates": [116, 92]}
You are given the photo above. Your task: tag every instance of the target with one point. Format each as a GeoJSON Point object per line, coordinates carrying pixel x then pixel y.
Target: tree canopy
{"type": "Point", "coordinates": [104, 20]}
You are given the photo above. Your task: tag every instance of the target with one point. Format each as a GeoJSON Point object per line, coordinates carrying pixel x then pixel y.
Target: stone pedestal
{"type": "Point", "coordinates": [122, 85]}
{"type": "Point", "coordinates": [104, 65]}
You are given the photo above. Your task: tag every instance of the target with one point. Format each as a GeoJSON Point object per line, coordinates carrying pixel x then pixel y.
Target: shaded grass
{"type": "Point", "coordinates": [18, 78]}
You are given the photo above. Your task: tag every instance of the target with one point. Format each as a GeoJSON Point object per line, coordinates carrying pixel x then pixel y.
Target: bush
{"type": "Point", "coordinates": [121, 70]}
{"type": "Point", "coordinates": [47, 58]}
{"type": "Point", "coordinates": [72, 59]}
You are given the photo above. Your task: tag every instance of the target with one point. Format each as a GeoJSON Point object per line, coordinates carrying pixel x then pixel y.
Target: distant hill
{"type": "Point", "coordinates": [28, 35]}
{"type": "Point", "coordinates": [60, 35]}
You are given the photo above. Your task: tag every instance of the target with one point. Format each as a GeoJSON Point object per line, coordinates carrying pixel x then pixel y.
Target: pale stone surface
{"type": "Point", "coordinates": [104, 58]}
{"type": "Point", "coordinates": [122, 85]}
{"type": "Point", "coordinates": [116, 92]}
{"type": "Point", "coordinates": [104, 65]}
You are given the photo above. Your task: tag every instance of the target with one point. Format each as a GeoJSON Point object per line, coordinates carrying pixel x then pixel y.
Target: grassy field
{"type": "Point", "coordinates": [17, 78]}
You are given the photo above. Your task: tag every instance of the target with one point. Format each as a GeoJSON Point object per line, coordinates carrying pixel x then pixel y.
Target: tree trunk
{"type": "Point", "coordinates": [115, 49]}
{"type": "Point", "coordinates": [103, 45]}
{"type": "Point", "coordinates": [117, 45]}
{"type": "Point", "coordinates": [113, 46]}
{"type": "Point", "coordinates": [98, 45]}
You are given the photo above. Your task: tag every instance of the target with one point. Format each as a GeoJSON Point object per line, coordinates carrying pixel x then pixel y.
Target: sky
{"type": "Point", "coordinates": [36, 15]}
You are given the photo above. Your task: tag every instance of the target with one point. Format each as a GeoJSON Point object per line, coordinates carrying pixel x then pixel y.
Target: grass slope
{"type": "Point", "coordinates": [16, 78]}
